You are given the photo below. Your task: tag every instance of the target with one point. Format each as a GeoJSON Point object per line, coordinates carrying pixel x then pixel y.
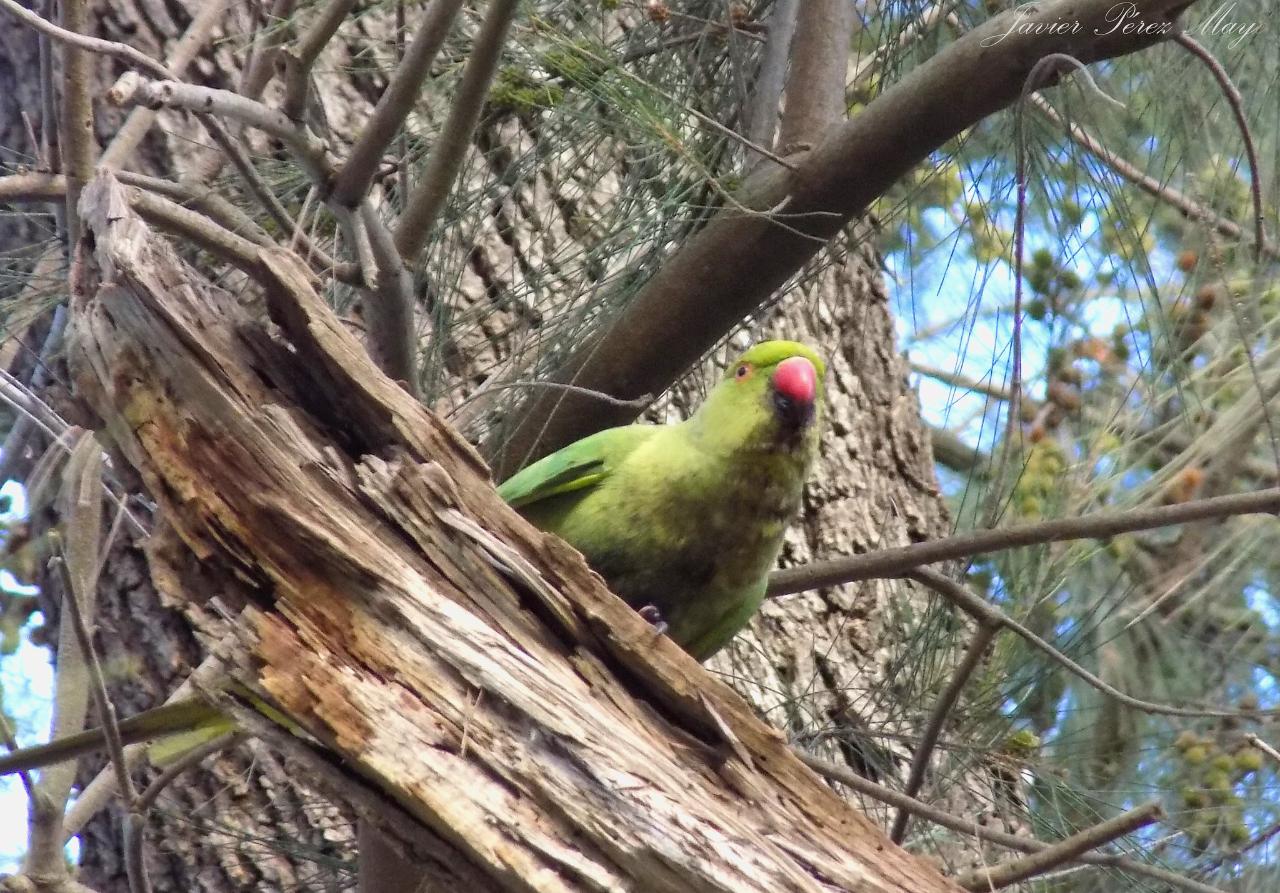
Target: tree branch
{"type": "Point", "coordinates": [441, 168]}
{"type": "Point", "coordinates": [77, 139]}
{"type": "Point", "coordinates": [299, 60]}
{"type": "Point", "coordinates": [819, 66]}
{"type": "Point", "coordinates": [396, 102]}
{"type": "Point", "coordinates": [896, 562]}
{"type": "Point", "coordinates": [762, 114]}
{"type": "Point", "coordinates": [1066, 850]}
{"type": "Point", "coordinates": [880, 793]}
{"type": "Point", "coordinates": [737, 261]}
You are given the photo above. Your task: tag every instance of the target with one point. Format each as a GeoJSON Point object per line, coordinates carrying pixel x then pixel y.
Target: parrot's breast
{"type": "Point", "coordinates": [698, 544]}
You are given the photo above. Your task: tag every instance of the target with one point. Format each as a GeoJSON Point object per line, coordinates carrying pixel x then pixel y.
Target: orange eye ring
{"type": "Point", "coordinates": [743, 372]}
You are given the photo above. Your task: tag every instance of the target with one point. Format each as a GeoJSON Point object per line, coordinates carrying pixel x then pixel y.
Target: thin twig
{"type": "Point", "coordinates": [1236, 102]}
{"type": "Point", "coordinates": [398, 100]}
{"type": "Point", "coordinates": [880, 793]}
{"type": "Point", "coordinates": [441, 168]}
{"type": "Point", "coordinates": [6, 734]}
{"type": "Point", "coordinates": [897, 561]}
{"type": "Point", "coordinates": [123, 52]}
{"type": "Point", "coordinates": [1044, 69]}
{"type": "Point", "coordinates": [985, 612]}
{"type": "Point", "coordinates": [1264, 747]}
{"type": "Point", "coordinates": [1066, 850]}
{"type": "Point", "coordinates": [982, 637]}
{"type": "Point", "coordinates": [299, 61]}
{"type": "Point", "coordinates": [77, 138]}
{"type": "Point", "coordinates": [72, 594]}
{"type": "Point", "coordinates": [183, 53]}
{"type": "Point", "coordinates": [258, 189]}
{"type": "Point", "coordinates": [638, 403]}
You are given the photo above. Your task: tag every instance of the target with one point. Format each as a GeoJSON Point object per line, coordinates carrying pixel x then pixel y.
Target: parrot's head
{"type": "Point", "coordinates": [770, 399]}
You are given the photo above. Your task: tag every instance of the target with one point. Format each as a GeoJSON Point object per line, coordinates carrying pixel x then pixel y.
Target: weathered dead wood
{"type": "Point", "coordinates": [450, 656]}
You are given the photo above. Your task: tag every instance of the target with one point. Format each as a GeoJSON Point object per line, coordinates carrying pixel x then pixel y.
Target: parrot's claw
{"type": "Point", "coordinates": [654, 617]}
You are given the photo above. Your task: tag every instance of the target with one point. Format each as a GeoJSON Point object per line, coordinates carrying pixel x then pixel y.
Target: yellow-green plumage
{"type": "Point", "coordinates": [687, 517]}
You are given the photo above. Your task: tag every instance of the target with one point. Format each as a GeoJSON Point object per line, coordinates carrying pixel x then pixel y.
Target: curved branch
{"type": "Point", "coordinates": [736, 263]}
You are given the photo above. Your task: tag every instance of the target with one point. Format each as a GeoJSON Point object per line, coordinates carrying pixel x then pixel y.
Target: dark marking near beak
{"type": "Point", "coordinates": [795, 414]}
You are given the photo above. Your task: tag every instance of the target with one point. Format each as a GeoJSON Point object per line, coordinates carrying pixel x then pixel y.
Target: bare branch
{"type": "Point", "coordinates": [389, 309]}
{"type": "Point", "coordinates": [982, 637]}
{"type": "Point", "coordinates": [306, 147]}
{"type": "Point", "coordinates": [868, 788]}
{"type": "Point", "coordinates": [819, 66]}
{"type": "Point", "coordinates": [397, 101]}
{"type": "Point", "coordinates": [1066, 850]}
{"type": "Point", "coordinates": [76, 138]}
{"type": "Point", "coordinates": [895, 562]}
{"type": "Point", "coordinates": [423, 206]}
{"type": "Point", "coordinates": [762, 114]}
{"type": "Point", "coordinates": [735, 263]}
{"type": "Point", "coordinates": [184, 52]}
{"type": "Point", "coordinates": [299, 60]}
{"type": "Point", "coordinates": [125, 53]}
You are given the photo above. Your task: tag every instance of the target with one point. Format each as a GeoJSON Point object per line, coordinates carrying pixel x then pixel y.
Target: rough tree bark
{"type": "Point", "coordinates": [371, 585]}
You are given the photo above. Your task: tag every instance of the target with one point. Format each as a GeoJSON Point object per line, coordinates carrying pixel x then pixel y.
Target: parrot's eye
{"type": "Point", "coordinates": [742, 372]}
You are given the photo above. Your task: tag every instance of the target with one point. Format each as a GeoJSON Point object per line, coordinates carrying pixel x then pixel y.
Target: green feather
{"type": "Point", "coordinates": [687, 517]}
{"type": "Point", "coordinates": [580, 465]}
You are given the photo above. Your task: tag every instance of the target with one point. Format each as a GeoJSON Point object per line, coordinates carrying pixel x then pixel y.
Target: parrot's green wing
{"type": "Point", "coordinates": [578, 466]}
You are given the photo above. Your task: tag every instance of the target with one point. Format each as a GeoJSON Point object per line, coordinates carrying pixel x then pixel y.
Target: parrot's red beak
{"type": "Point", "coordinates": [795, 386]}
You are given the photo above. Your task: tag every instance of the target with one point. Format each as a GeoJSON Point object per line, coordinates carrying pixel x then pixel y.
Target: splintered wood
{"type": "Point", "coordinates": [440, 650]}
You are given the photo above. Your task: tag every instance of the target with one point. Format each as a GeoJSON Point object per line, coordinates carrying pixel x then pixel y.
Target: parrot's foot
{"type": "Point", "coordinates": [654, 616]}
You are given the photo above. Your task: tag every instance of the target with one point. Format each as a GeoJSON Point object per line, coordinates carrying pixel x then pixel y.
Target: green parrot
{"type": "Point", "coordinates": [685, 521]}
